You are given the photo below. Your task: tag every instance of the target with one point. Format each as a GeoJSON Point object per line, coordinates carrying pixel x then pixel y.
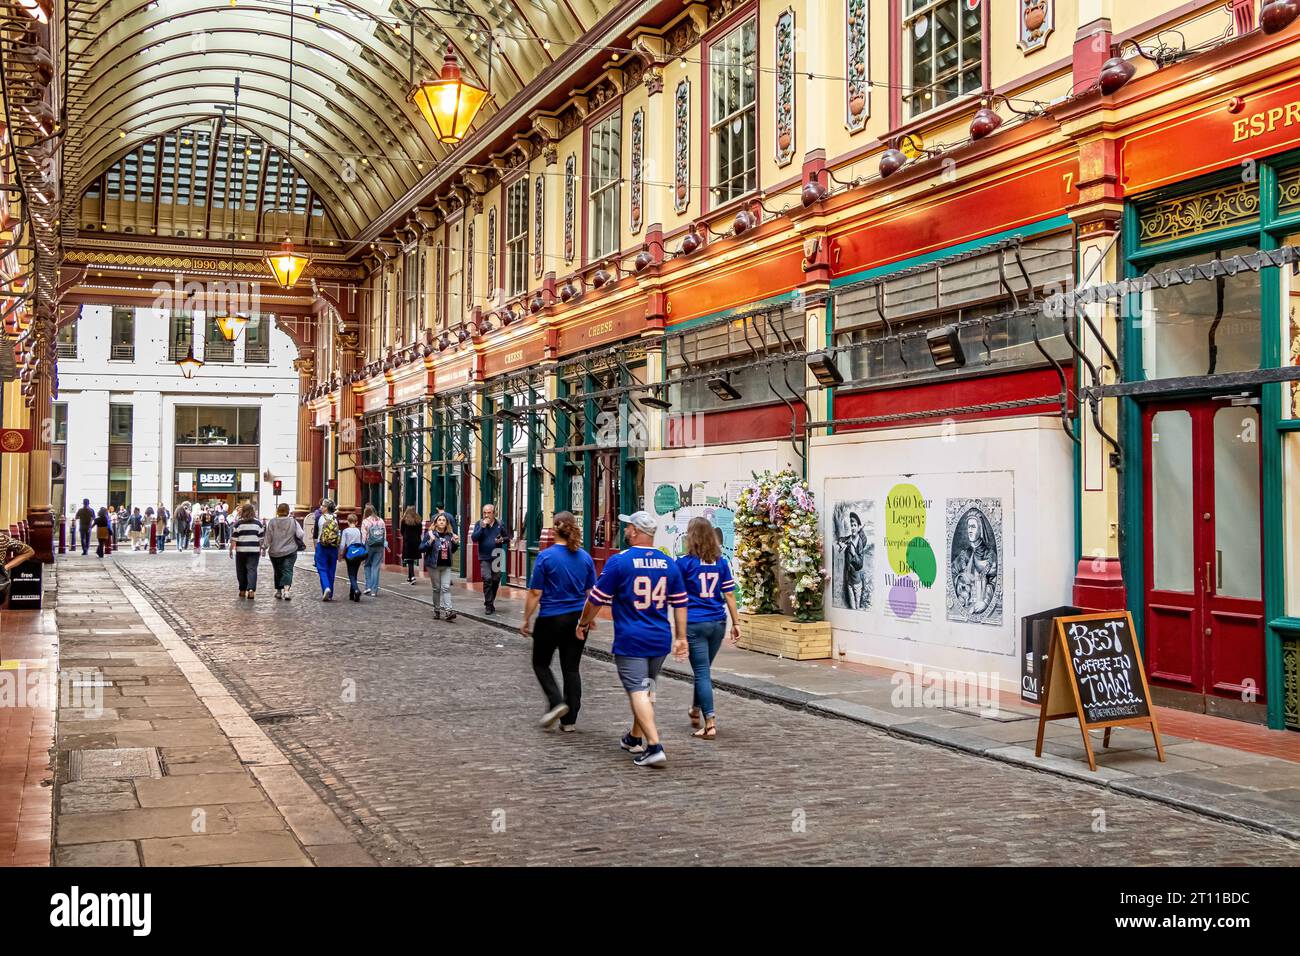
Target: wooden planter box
{"type": "Point", "coordinates": [782, 635]}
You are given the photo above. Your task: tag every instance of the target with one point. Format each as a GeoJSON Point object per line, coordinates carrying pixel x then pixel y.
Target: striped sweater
{"type": "Point", "coordinates": [247, 536]}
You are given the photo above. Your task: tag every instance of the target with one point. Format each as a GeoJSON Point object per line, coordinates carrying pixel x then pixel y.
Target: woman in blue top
{"type": "Point", "coordinates": [562, 577]}
{"type": "Point", "coordinates": [710, 595]}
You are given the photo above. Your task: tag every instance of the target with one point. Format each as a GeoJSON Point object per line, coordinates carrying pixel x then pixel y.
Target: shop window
{"type": "Point", "coordinates": [66, 340]}
{"type": "Point", "coordinates": [517, 238]}
{"type": "Point", "coordinates": [1205, 327]}
{"type": "Point", "coordinates": [217, 425]}
{"type": "Point", "coordinates": [881, 325]}
{"type": "Point", "coordinates": [60, 421]}
{"type": "Point", "coordinates": [728, 350]}
{"type": "Point", "coordinates": [257, 341]}
{"type": "Point", "coordinates": [604, 180]}
{"type": "Point", "coordinates": [733, 112]}
{"type": "Point", "coordinates": [122, 342]}
{"type": "Point", "coordinates": [943, 52]}
{"type": "Point", "coordinates": [119, 424]}
{"type": "Point", "coordinates": [180, 335]}
{"type": "Point", "coordinates": [1290, 315]}
{"type": "Point", "coordinates": [1288, 191]}
{"type": "Point", "coordinates": [1291, 517]}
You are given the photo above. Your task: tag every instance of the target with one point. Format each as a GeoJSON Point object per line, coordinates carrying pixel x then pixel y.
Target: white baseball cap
{"type": "Point", "coordinates": [641, 520]}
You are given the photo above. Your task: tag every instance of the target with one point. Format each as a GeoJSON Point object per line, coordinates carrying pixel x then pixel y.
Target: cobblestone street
{"type": "Point", "coordinates": [421, 735]}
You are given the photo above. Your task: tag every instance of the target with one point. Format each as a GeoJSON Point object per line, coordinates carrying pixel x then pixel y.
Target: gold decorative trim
{"type": "Point", "coordinates": [196, 264]}
{"type": "Point", "coordinates": [1187, 215]}
{"type": "Point", "coordinates": [1288, 190]}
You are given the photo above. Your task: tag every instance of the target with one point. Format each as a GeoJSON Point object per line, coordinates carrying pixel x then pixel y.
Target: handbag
{"type": "Point", "coordinates": [355, 551]}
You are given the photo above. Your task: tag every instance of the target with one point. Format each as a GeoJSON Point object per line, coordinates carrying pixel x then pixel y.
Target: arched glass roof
{"type": "Point", "coordinates": [139, 69]}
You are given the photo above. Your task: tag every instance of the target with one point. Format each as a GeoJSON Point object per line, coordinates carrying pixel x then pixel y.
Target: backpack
{"type": "Point", "coordinates": [329, 531]}
{"type": "Point", "coordinates": [376, 535]}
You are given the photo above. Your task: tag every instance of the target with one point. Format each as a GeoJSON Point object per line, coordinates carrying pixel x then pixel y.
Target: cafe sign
{"type": "Point", "coordinates": [217, 480]}
{"type": "Point", "coordinates": [411, 387]}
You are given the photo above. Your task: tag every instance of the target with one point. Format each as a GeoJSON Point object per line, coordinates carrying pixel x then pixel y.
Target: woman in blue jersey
{"type": "Point", "coordinates": [710, 595]}
{"type": "Point", "coordinates": [563, 576]}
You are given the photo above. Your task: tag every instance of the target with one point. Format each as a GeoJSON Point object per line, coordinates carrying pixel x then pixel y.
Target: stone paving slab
{"type": "Point", "coordinates": [208, 809]}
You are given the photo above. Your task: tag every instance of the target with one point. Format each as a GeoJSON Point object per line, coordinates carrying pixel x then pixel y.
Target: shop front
{"type": "Point", "coordinates": [736, 387]}
{"type": "Point", "coordinates": [451, 469]}
{"type": "Point", "coordinates": [374, 455]}
{"type": "Point", "coordinates": [513, 430]}
{"type": "Point", "coordinates": [409, 450]}
{"type": "Point", "coordinates": [600, 425]}
{"type": "Point", "coordinates": [1211, 422]}
{"type": "Point", "coordinates": [944, 467]}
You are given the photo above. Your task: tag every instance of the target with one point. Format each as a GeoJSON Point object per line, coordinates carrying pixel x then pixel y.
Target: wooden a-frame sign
{"type": "Point", "coordinates": [1095, 673]}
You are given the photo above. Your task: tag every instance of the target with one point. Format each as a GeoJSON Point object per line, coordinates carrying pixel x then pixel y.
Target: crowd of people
{"type": "Point", "coordinates": [121, 525]}
{"type": "Point", "coordinates": [659, 605]}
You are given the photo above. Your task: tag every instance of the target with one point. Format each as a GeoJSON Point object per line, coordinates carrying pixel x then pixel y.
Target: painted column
{"type": "Point", "coordinates": [40, 519]}
{"type": "Point", "coordinates": [1099, 581]}
{"type": "Point", "coordinates": [308, 465]}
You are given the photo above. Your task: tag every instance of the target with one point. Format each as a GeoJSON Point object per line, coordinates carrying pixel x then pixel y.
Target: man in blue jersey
{"type": "Point", "coordinates": [639, 585]}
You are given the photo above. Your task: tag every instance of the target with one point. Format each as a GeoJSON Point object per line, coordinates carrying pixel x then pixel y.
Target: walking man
{"type": "Point", "coordinates": [327, 535]}
{"type": "Point", "coordinates": [639, 584]}
{"type": "Point", "coordinates": [490, 536]}
{"type": "Point", "coordinates": [85, 518]}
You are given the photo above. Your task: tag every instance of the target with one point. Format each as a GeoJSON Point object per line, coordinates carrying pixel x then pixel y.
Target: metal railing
{"type": "Point", "coordinates": [122, 352]}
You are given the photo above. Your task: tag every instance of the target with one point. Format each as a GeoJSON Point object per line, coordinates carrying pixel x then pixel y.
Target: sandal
{"type": "Point", "coordinates": [697, 719]}
{"type": "Point", "coordinates": [707, 732]}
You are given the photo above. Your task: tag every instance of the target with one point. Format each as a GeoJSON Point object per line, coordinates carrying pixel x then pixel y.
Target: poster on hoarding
{"type": "Point", "coordinates": [853, 556]}
{"type": "Point", "coordinates": [974, 554]}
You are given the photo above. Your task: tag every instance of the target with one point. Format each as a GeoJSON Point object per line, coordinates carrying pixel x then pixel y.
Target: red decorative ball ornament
{"type": "Point", "coordinates": [1276, 15]}
{"type": "Point", "coordinates": [984, 123]}
{"type": "Point", "coordinates": [891, 161]}
{"type": "Point", "coordinates": [1115, 72]}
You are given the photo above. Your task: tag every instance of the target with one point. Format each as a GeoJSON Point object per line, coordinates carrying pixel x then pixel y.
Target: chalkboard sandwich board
{"type": "Point", "coordinates": [1095, 673]}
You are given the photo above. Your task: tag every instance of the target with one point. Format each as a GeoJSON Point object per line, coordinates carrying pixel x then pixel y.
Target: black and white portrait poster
{"type": "Point", "coordinates": [853, 557]}
{"type": "Point", "coordinates": [975, 560]}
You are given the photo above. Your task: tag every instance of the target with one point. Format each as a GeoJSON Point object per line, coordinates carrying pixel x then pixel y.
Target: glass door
{"type": "Point", "coordinates": [1204, 560]}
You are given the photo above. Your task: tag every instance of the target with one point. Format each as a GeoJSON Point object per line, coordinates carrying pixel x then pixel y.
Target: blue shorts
{"type": "Point", "coordinates": [638, 673]}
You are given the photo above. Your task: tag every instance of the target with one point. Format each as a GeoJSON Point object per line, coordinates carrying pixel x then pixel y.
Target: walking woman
{"type": "Point", "coordinates": [412, 525]}
{"type": "Point", "coordinates": [246, 548]}
{"type": "Point", "coordinates": [710, 595]}
{"type": "Point", "coordinates": [439, 544]}
{"type": "Point", "coordinates": [563, 576]}
{"type": "Point", "coordinates": [354, 554]}
{"type": "Point", "coordinates": [374, 534]}
{"type": "Point", "coordinates": [325, 531]}
{"type": "Point", "coordinates": [103, 530]}
{"type": "Point", "coordinates": [283, 542]}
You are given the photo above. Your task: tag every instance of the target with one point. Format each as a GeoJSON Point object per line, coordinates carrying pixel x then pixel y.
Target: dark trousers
{"type": "Point", "coordinates": [491, 581]}
{"type": "Point", "coordinates": [549, 635]}
{"type": "Point", "coordinates": [100, 542]}
{"type": "Point", "coordinates": [246, 571]}
{"type": "Point", "coordinates": [85, 539]}
{"type": "Point", "coordinates": [283, 568]}
{"type": "Point", "coordinates": [410, 568]}
{"type": "Point", "coordinates": [354, 566]}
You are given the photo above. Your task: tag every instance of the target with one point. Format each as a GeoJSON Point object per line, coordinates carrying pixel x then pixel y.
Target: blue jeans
{"type": "Point", "coordinates": [374, 561]}
{"type": "Point", "coordinates": [703, 639]}
{"type": "Point", "coordinates": [327, 565]}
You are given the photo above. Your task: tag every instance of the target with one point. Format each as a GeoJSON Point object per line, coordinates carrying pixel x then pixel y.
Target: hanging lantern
{"type": "Point", "coordinates": [287, 265]}
{"type": "Point", "coordinates": [231, 324]}
{"type": "Point", "coordinates": [189, 365]}
{"type": "Point", "coordinates": [449, 103]}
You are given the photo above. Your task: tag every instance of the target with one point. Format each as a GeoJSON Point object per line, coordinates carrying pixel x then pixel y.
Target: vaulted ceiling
{"type": "Point", "coordinates": [139, 69]}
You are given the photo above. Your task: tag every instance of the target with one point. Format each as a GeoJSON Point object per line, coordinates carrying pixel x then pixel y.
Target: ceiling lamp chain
{"type": "Point", "coordinates": [287, 265]}
{"type": "Point", "coordinates": [231, 323]}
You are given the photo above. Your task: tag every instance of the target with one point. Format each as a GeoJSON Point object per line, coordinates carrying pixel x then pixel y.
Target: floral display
{"type": "Point", "coordinates": [776, 530]}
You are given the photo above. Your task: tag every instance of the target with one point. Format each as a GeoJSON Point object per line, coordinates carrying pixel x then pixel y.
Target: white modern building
{"type": "Point", "coordinates": [130, 429]}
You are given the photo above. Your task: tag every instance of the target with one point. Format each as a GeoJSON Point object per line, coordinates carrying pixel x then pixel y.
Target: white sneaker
{"type": "Point", "coordinates": [287, 595]}
{"type": "Point", "coordinates": [329, 593]}
{"type": "Point", "coordinates": [552, 716]}
{"type": "Point", "coordinates": [279, 594]}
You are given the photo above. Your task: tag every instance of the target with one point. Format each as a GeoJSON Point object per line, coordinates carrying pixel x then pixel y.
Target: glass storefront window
{"type": "Point", "coordinates": [1290, 313]}
{"type": "Point", "coordinates": [1291, 518]}
{"type": "Point", "coordinates": [119, 424]}
{"type": "Point", "coordinates": [217, 425]}
{"type": "Point", "coordinates": [1205, 327]}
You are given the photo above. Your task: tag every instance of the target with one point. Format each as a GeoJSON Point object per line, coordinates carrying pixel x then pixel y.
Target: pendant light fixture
{"type": "Point", "coordinates": [231, 323]}
{"type": "Point", "coordinates": [449, 103]}
{"type": "Point", "coordinates": [287, 265]}
{"type": "Point", "coordinates": [189, 364]}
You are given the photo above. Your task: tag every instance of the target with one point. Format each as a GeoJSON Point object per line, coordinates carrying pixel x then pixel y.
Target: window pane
{"type": "Point", "coordinates": [1171, 495]}
{"type": "Point", "coordinates": [249, 422]}
{"type": "Point", "coordinates": [217, 425]}
{"type": "Point", "coordinates": [1237, 568]}
{"type": "Point", "coordinates": [119, 424]}
{"type": "Point", "coordinates": [1204, 327]}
